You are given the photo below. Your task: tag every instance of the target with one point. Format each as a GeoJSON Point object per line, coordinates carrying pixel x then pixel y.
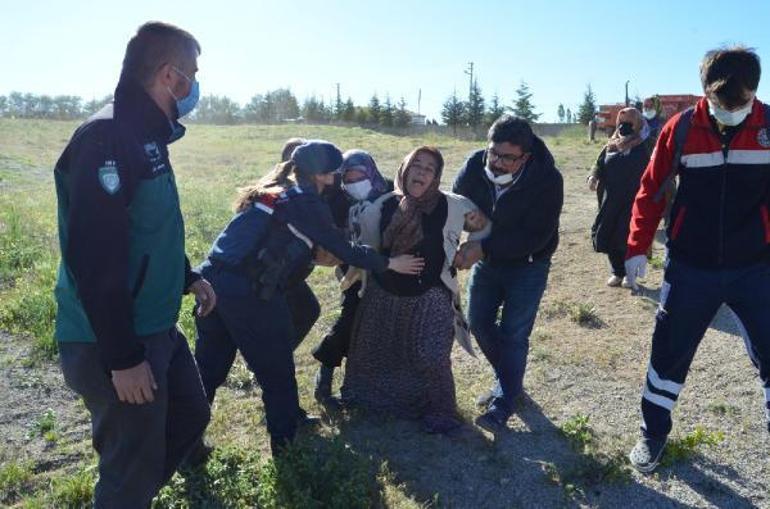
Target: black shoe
{"type": "Point", "coordinates": [197, 456]}
{"type": "Point", "coordinates": [646, 454]}
{"type": "Point", "coordinates": [493, 420]}
{"type": "Point", "coordinates": [323, 384]}
{"type": "Point", "coordinates": [304, 420]}
{"type": "Point", "coordinates": [278, 446]}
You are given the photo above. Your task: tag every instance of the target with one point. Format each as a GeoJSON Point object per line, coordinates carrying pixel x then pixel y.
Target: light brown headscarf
{"type": "Point", "coordinates": [405, 228]}
{"type": "Point", "coordinates": [618, 143]}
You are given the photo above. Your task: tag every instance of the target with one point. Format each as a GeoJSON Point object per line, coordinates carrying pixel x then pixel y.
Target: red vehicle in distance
{"type": "Point", "coordinates": [671, 105]}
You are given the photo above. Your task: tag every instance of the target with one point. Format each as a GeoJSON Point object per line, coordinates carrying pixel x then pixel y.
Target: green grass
{"type": "Point", "coordinates": [44, 426]}
{"type": "Point", "coordinates": [28, 262]}
{"type": "Point", "coordinates": [14, 480]}
{"type": "Point", "coordinates": [315, 473]}
{"type": "Point", "coordinates": [683, 448]}
{"type": "Point", "coordinates": [658, 262]}
{"type": "Point", "coordinates": [355, 460]}
{"type": "Point", "coordinates": [210, 163]}
{"type": "Point", "coordinates": [584, 314]}
{"type": "Point", "coordinates": [723, 408]}
{"type": "Point", "coordinates": [577, 431]}
{"type": "Point", "coordinates": [75, 491]}
{"type": "Point", "coordinates": [598, 463]}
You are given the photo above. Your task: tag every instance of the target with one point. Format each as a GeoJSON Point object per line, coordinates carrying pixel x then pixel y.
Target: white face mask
{"type": "Point", "coordinates": [649, 114]}
{"type": "Point", "coordinates": [730, 118]}
{"type": "Point", "coordinates": [360, 190]}
{"type": "Point", "coordinates": [500, 180]}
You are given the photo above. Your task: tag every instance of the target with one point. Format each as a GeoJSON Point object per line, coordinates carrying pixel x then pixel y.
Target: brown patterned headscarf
{"type": "Point", "coordinates": [405, 228]}
{"type": "Point", "coordinates": [618, 143]}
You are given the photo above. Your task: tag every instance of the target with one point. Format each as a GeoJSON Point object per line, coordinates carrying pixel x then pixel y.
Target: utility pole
{"type": "Point", "coordinates": [627, 100]}
{"type": "Point", "coordinates": [338, 105]}
{"type": "Point", "coordinates": [469, 72]}
{"type": "Point", "coordinates": [419, 100]}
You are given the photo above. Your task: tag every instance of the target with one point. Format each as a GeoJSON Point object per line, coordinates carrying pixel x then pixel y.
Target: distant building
{"type": "Point", "coordinates": [418, 119]}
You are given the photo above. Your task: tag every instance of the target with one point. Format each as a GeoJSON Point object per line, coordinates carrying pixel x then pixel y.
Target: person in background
{"type": "Point", "coordinates": [592, 129]}
{"type": "Point", "coordinates": [618, 168]}
{"type": "Point", "coordinates": [652, 111]}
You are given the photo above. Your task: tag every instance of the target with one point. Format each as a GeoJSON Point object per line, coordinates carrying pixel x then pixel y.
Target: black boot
{"type": "Point", "coordinates": [305, 420]}
{"type": "Point", "coordinates": [198, 455]}
{"type": "Point", "coordinates": [278, 446]}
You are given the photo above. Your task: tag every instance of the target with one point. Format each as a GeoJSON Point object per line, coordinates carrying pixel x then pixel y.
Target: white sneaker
{"type": "Point", "coordinates": [614, 281]}
{"type": "Point", "coordinates": [486, 398]}
{"type": "Point", "coordinates": [626, 283]}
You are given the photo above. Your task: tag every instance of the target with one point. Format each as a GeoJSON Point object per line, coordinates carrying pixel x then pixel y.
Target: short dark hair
{"type": "Point", "coordinates": [155, 44]}
{"type": "Point", "coordinates": [513, 130]}
{"type": "Point", "coordinates": [729, 72]}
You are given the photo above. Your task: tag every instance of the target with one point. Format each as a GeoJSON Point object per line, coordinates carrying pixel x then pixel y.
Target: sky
{"type": "Point", "coordinates": [398, 47]}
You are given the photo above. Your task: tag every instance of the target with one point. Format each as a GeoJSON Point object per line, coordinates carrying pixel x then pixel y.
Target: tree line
{"type": "Point", "coordinates": [59, 107]}
{"type": "Point", "coordinates": [281, 105]}
{"type": "Point", "coordinates": [274, 106]}
{"type": "Point", "coordinates": [475, 113]}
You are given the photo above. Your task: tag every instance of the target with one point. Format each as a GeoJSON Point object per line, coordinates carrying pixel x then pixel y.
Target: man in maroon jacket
{"type": "Point", "coordinates": [719, 234]}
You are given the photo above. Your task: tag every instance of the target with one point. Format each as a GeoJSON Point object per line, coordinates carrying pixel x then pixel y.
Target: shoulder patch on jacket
{"type": "Point", "coordinates": [109, 178]}
{"type": "Point", "coordinates": [762, 138]}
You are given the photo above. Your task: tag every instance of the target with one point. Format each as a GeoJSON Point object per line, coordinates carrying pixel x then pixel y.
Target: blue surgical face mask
{"type": "Point", "coordinates": [730, 118]}
{"type": "Point", "coordinates": [186, 104]}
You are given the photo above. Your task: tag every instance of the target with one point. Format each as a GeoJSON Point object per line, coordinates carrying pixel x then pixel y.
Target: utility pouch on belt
{"type": "Point", "coordinates": [266, 275]}
{"type": "Point", "coordinates": [285, 259]}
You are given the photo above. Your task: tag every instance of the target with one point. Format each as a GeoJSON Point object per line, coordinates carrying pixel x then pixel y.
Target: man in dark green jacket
{"type": "Point", "coordinates": [124, 270]}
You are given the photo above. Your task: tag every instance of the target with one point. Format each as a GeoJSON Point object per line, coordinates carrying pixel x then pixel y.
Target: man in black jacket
{"type": "Point", "coordinates": [124, 270]}
{"type": "Point", "coordinates": [515, 183]}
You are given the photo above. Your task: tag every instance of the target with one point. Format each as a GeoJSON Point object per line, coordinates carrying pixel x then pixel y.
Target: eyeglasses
{"type": "Point", "coordinates": [506, 159]}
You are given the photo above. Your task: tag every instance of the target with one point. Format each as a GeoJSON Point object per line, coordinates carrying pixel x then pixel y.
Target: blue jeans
{"type": "Point", "coordinates": [505, 342]}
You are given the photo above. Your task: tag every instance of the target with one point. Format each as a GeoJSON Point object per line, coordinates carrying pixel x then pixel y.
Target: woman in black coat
{"type": "Point", "coordinates": [617, 172]}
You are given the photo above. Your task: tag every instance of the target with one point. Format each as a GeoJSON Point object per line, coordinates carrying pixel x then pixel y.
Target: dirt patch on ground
{"type": "Point", "coordinates": [41, 420]}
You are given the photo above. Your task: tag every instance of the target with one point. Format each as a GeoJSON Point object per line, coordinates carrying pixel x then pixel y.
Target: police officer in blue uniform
{"type": "Point", "coordinates": [266, 247]}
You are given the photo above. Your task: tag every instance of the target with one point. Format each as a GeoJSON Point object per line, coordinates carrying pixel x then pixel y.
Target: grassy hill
{"type": "Point", "coordinates": [565, 447]}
